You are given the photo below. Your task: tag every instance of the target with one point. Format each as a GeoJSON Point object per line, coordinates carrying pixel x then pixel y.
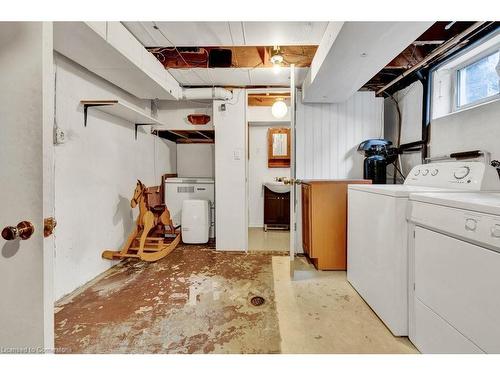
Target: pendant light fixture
{"type": "Point", "coordinates": [279, 109]}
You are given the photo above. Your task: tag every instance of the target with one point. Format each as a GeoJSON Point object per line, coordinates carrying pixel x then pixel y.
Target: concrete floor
{"type": "Point", "coordinates": [272, 240]}
{"type": "Point", "coordinates": [197, 300]}
{"type": "Point", "coordinates": [320, 312]}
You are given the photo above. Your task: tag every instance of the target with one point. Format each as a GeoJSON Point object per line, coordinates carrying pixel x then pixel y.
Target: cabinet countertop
{"type": "Point", "coordinates": [338, 181]}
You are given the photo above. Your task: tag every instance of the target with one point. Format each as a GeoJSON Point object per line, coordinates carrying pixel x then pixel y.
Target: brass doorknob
{"type": "Point", "coordinates": [23, 230]}
{"type": "Point", "coordinates": [49, 223]}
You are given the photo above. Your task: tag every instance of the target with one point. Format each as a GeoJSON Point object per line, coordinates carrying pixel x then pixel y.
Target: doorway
{"type": "Point", "coordinates": [268, 114]}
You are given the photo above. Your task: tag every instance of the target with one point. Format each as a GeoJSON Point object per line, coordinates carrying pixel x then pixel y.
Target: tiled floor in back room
{"type": "Point", "coordinates": [198, 300]}
{"type": "Point", "coordinates": [270, 240]}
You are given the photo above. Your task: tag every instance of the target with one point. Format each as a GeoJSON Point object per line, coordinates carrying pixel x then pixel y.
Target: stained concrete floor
{"type": "Point", "coordinates": [197, 300]}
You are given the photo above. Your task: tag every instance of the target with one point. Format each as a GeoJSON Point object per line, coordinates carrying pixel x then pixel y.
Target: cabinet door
{"type": "Point", "coordinates": [306, 219]}
{"type": "Point", "coordinates": [285, 204]}
{"type": "Point", "coordinates": [272, 207]}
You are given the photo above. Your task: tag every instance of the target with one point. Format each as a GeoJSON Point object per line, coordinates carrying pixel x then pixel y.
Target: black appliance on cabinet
{"type": "Point", "coordinates": [379, 153]}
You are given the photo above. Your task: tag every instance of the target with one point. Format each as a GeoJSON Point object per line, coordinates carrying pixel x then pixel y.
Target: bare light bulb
{"type": "Point", "coordinates": [276, 60]}
{"type": "Point", "coordinates": [279, 109]}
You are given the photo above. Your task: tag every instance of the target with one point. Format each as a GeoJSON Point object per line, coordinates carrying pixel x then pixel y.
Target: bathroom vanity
{"type": "Point", "coordinates": [276, 206]}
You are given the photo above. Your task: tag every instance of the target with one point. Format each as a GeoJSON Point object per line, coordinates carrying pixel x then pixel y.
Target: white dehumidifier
{"type": "Point", "coordinates": [195, 222]}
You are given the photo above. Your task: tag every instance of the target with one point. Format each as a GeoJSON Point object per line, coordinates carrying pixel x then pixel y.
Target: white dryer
{"type": "Point", "coordinates": [455, 272]}
{"type": "Point", "coordinates": [178, 189]}
{"type": "Point", "coordinates": [377, 253]}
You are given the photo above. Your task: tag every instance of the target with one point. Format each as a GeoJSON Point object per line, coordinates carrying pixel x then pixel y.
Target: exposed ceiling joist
{"type": "Point", "coordinates": [187, 136]}
{"type": "Point", "coordinates": [242, 57]}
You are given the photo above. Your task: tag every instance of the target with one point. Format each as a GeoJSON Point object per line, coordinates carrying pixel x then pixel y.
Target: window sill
{"type": "Point", "coordinates": [495, 100]}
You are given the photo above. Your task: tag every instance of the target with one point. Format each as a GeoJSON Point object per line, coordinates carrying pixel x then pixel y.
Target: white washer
{"type": "Point", "coordinates": [455, 272]}
{"type": "Point", "coordinates": [178, 189]}
{"type": "Point", "coordinates": [377, 255]}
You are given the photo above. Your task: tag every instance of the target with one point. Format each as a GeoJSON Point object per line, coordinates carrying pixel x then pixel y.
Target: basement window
{"type": "Point", "coordinates": [468, 79]}
{"type": "Point", "coordinates": [478, 81]}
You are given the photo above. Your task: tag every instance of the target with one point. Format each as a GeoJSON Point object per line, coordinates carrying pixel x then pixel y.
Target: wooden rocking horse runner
{"type": "Point", "coordinates": [150, 240]}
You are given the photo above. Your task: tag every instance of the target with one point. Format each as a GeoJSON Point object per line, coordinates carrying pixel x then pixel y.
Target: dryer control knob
{"type": "Point", "coordinates": [425, 172]}
{"type": "Point", "coordinates": [495, 231]}
{"type": "Point", "coordinates": [434, 172]}
{"type": "Point", "coordinates": [461, 172]}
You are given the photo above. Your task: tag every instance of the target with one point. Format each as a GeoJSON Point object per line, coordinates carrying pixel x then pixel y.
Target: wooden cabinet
{"type": "Point", "coordinates": [324, 222]}
{"type": "Point", "coordinates": [276, 209]}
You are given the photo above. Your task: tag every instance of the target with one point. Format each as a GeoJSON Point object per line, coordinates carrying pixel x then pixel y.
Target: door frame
{"type": "Point", "coordinates": [283, 90]}
{"type": "Point", "coordinates": [293, 174]}
{"type": "Point", "coordinates": [49, 115]}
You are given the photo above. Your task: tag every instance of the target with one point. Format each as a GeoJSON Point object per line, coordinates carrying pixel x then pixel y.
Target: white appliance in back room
{"type": "Point", "coordinates": [178, 189]}
{"type": "Point", "coordinates": [377, 253]}
{"type": "Point", "coordinates": [454, 298]}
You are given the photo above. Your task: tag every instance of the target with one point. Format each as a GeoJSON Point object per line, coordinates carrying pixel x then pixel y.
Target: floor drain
{"type": "Point", "coordinates": [257, 300]}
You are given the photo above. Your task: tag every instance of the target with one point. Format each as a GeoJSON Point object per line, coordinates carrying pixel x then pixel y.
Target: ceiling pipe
{"type": "Point", "coordinates": [207, 93]}
{"type": "Point", "coordinates": [443, 48]}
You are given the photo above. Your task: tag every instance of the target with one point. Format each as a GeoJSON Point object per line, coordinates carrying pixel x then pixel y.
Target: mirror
{"type": "Point", "coordinates": [278, 148]}
{"type": "Point", "coordinates": [280, 144]}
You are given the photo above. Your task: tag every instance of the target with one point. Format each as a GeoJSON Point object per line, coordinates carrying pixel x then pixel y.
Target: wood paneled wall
{"type": "Point", "coordinates": [327, 138]}
{"type": "Point", "coordinates": [328, 135]}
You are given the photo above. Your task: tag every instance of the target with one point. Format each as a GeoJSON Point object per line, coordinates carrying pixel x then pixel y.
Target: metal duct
{"type": "Point", "coordinates": [201, 93]}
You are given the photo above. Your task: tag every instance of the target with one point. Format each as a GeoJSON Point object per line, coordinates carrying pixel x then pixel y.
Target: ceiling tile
{"type": "Point", "coordinates": [187, 34]}
{"type": "Point", "coordinates": [207, 34]}
{"type": "Point", "coordinates": [283, 33]}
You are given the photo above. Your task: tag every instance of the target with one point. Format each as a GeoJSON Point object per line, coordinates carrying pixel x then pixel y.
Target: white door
{"type": "Point", "coordinates": [26, 107]}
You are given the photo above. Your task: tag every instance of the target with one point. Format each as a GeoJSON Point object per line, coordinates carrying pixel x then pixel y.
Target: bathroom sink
{"type": "Point", "coordinates": [277, 187]}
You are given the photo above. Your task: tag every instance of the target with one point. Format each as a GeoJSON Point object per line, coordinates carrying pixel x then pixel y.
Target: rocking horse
{"type": "Point", "coordinates": [150, 240]}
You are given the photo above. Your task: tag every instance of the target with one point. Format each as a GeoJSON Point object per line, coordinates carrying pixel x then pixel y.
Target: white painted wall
{"type": "Point", "coordinates": [327, 137]}
{"type": "Point", "coordinates": [95, 174]}
{"type": "Point", "coordinates": [410, 101]}
{"type": "Point", "coordinates": [195, 160]}
{"type": "Point", "coordinates": [260, 114]}
{"type": "Point", "coordinates": [230, 174]}
{"type": "Point", "coordinates": [259, 173]}
{"type": "Point", "coordinates": [471, 129]}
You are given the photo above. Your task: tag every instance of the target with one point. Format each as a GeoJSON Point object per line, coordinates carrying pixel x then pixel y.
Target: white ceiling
{"type": "Point", "coordinates": [237, 76]}
{"type": "Point", "coordinates": [208, 34]}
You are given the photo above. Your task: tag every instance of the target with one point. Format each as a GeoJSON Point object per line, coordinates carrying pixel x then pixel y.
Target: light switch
{"type": "Point", "coordinates": [237, 154]}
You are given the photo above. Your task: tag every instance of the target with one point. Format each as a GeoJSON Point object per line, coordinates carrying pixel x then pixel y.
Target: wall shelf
{"type": "Point", "coordinates": [119, 109]}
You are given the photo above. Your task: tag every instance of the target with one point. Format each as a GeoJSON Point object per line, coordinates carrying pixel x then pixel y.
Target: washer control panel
{"type": "Point", "coordinates": [466, 175]}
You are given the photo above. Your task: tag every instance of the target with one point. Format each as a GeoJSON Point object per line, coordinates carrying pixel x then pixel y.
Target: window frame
{"type": "Point", "coordinates": [455, 73]}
